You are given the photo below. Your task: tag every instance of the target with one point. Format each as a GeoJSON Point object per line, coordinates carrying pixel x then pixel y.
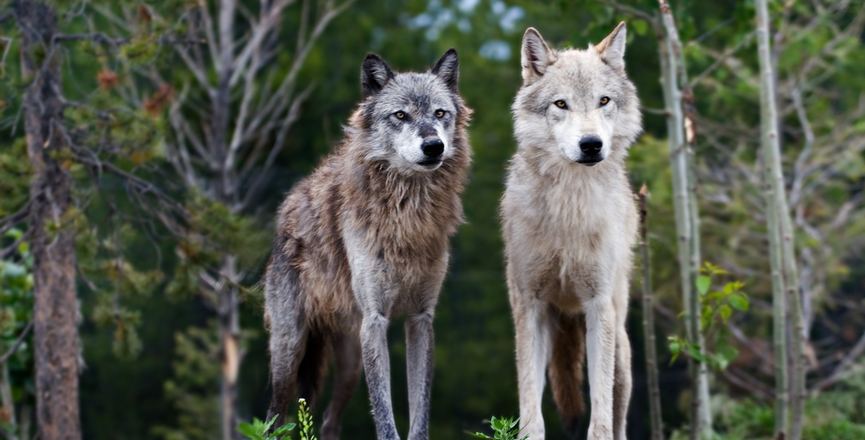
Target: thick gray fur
{"type": "Point", "coordinates": [364, 238]}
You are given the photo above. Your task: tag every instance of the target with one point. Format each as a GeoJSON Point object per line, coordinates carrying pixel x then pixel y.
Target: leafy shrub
{"type": "Point", "coordinates": [503, 429]}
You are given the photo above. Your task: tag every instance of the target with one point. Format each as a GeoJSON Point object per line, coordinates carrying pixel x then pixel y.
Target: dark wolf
{"type": "Point", "coordinates": [365, 238]}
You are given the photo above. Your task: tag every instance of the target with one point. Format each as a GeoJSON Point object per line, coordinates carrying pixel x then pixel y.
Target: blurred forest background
{"type": "Point", "coordinates": [178, 126]}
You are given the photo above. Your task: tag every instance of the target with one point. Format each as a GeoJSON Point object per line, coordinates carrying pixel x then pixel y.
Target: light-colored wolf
{"type": "Point", "coordinates": [366, 237]}
{"type": "Point", "coordinates": [570, 222]}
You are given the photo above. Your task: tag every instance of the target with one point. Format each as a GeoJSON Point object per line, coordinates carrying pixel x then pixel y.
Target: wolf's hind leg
{"type": "Point", "coordinates": [288, 332]}
{"type": "Point", "coordinates": [531, 323]}
{"type": "Point", "coordinates": [566, 370]}
{"type": "Point", "coordinates": [348, 369]}
{"type": "Point", "coordinates": [287, 348]}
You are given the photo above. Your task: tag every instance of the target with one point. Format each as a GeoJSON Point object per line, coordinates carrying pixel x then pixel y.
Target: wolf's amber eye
{"type": "Point", "coordinates": [605, 100]}
{"type": "Point", "coordinates": [440, 113]}
{"type": "Point", "coordinates": [399, 115]}
{"type": "Point", "coordinates": [561, 104]}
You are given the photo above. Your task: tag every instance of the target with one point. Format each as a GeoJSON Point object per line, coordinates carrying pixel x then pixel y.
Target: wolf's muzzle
{"type": "Point", "coordinates": [591, 147]}
{"type": "Point", "coordinates": [432, 150]}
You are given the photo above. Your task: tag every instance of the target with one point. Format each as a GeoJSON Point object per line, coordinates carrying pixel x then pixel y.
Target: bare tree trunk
{"type": "Point", "coordinates": [784, 282]}
{"type": "Point", "coordinates": [229, 322]}
{"type": "Point", "coordinates": [680, 130]}
{"type": "Point", "coordinates": [229, 326]}
{"type": "Point", "coordinates": [55, 336]}
{"type": "Point", "coordinates": [649, 323]}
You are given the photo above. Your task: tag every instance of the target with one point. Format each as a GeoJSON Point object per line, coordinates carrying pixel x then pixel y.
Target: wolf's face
{"type": "Point", "coordinates": [577, 103]}
{"type": "Point", "coordinates": [411, 118]}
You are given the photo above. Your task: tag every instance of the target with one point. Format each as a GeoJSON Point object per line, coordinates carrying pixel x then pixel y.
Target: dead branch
{"type": "Point", "coordinates": [17, 343]}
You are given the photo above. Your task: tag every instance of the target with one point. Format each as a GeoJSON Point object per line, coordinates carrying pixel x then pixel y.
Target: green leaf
{"type": "Point", "coordinates": [738, 302]}
{"type": "Point", "coordinates": [728, 352]}
{"type": "Point", "coordinates": [247, 430]}
{"type": "Point", "coordinates": [479, 435]}
{"type": "Point", "coordinates": [694, 351]}
{"type": "Point", "coordinates": [718, 362]}
{"type": "Point", "coordinates": [703, 283]}
{"type": "Point", "coordinates": [725, 312]}
{"type": "Point", "coordinates": [675, 348]}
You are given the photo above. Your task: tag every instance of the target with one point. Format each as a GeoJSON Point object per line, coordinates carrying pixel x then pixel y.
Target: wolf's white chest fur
{"type": "Point", "coordinates": [574, 221]}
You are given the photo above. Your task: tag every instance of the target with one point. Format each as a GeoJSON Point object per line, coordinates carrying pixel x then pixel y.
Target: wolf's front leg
{"type": "Point", "coordinates": [601, 350]}
{"type": "Point", "coordinates": [420, 345]}
{"type": "Point", "coordinates": [376, 364]}
{"type": "Point", "coordinates": [533, 354]}
{"type": "Point", "coordinates": [623, 381]}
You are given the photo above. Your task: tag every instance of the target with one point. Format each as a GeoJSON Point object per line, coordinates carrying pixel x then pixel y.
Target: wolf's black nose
{"type": "Point", "coordinates": [433, 147]}
{"type": "Point", "coordinates": [591, 145]}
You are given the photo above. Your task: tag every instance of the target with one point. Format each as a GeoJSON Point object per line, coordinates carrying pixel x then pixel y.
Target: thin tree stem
{"type": "Point", "coordinates": [680, 127]}
{"type": "Point", "coordinates": [649, 323]}
{"type": "Point", "coordinates": [784, 273]}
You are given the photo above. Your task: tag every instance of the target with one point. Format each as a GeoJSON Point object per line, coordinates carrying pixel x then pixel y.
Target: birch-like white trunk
{"type": "Point", "coordinates": [782, 253]}
{"type": "Point", "coordinates": [687, 223]}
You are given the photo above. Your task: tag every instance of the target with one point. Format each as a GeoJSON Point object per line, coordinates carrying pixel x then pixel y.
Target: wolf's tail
{"type": "Point", "coordinates": [566, 369]}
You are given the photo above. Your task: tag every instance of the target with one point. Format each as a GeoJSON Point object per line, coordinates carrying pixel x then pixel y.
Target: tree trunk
{"type": "Point", "coordinates": [785, 285]}
{"type": "Point", "coordinates": [229, 327]}
{"type": "Point", "coordinates": [55, 333]}
{"type": "Point", "coordinates": [649, 324]}
{"type": "Point", "coordinates": [687, 223]}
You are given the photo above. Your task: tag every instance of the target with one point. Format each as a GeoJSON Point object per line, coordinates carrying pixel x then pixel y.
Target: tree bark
{"type": "Point", "coordinates": [785, 294]}
{"type": "Point", "coordinates": [680, 129]}
{"type": "Point", "coordinates": [229, 326]}
{"type": "Point", "coordinates": [55, 332]}
{"type": "Point", "coordinates": [649, 323]}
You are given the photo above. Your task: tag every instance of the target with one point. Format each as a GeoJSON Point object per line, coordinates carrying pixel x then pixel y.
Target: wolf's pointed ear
{"type": "Point", "coordinates": [448, 69]}
{"type": "Point", "coordinates": [536, 56]}
{"type": "Point", "coordinates": [612, 48]}
{"type": "Point", "coordinates": [374, 74]}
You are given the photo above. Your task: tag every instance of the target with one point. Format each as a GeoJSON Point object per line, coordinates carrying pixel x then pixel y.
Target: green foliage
{"type": "Point", "coordinates": [305, 419]}
{"type": "Point", "coordinates": [258, 430]}
{"type": "Point", "coordinates": [16, 312]}
{"type": "Point", "coordinates": [194, 389]}
{"type": "Point", "coordinates": [14, 175]}
{"type": "Point", "coordinates": [716, 308]}
{"type": "Point", "coordinates": [503, 429]}
{"type": "Point", "coordinates": [121, 275]}
{"type": "Point", "coordinates": [838, 414]}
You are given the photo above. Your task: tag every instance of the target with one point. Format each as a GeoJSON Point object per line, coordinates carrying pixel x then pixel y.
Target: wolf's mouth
{"type": "Point", "coordinates": [590, 162]}
{"type": "Point", "coordinates": [430, 163]}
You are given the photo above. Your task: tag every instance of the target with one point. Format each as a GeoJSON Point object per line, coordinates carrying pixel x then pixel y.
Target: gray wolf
{"type": "Point", "coordinates": [366, 237]}
{"type": "Point", "coordinates": [569, 223]}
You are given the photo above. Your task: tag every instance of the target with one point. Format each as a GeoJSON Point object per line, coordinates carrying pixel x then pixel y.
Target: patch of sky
{"type": "Point", "coordinates": [438, 17]}
{"type": "Point", "coordinates": [496, 50]}
{"type": "Point", "coordinates": [464, 25]}
{"type": "Point", "coordinates": [467, 5]}
{"type": "Point", "coordinates": [509, 19]}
